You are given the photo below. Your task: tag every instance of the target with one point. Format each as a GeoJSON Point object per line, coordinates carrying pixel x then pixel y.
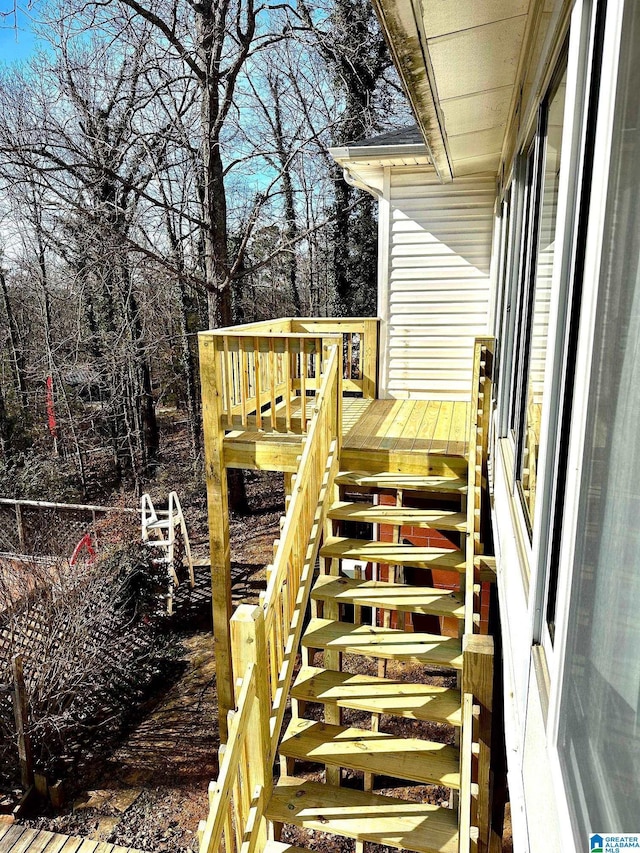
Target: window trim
{"type": "Point", "coordinates": [586, 56]}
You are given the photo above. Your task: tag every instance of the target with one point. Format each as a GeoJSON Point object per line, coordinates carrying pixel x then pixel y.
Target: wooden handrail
{"type": "Point", "coordinates": [265, 639]}
{"type": "Point", "coordinates": [288, 587]}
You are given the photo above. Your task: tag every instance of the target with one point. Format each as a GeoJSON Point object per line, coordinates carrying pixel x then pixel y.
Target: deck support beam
{"type": "Point", "coordinates": [218, 517]}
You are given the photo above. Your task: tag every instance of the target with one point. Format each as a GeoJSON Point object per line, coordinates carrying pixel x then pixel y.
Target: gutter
{"type": "Point", "coordinates": [404, 31]}
{"type": "Point", "coordinates": [379, 152]}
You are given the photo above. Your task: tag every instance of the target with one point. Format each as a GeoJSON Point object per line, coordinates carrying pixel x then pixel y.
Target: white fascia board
{"type": "Point", "coordinates": [371, 153]}
{"type": "Point", "coordinates": [402, 24]}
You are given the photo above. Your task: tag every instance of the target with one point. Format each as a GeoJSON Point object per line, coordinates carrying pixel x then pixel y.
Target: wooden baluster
{"type": "Point", "coordinates": [258, 387]}
{"type": "Point", "coordinates": [348, 373]}
{"type": "Point", "coordinates": [228, 381]}
{"type": "Point", "coordinates": [244, 378]}
{"type": "Point", "coordinates": [287, 383]}
{"type": "Point", "coordinates": [272, 386]}
{"type": "Point", "coordinates": [303, 387]}
{"type": "Point", "coordinates": [229, 845]}
{"type": "Point", "coordinates": [369, 357]}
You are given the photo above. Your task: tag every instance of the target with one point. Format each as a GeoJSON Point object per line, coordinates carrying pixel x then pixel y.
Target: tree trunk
{"type": "Point", "coordinates": [16, 354]}
{"type": "Point", "coordinates": [214, 215]}
{"type": "Point", "coordinates": [341, 259]}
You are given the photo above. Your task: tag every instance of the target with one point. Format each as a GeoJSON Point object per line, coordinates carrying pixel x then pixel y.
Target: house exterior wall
{"type": "Point", "coordinates": [567, 555]}
{"type": "Point", "coordinates": [434, 283]}
{"type": "Point", "coordinates": [565, 782]}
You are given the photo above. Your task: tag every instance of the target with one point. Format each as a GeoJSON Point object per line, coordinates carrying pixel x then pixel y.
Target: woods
{"type": "Point", "coordinates": [164, 169]}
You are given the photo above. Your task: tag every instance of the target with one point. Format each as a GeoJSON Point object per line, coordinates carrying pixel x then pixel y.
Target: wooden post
{"type": "Point", "coordinates": [21, 713]}
{"type": "Point", "coordinates": [369, 358]}
{"type": "Point", "coordinates": [218, 516]}
{"type": "Point", "coordinates": [249, 645]}
{"type": "Point", "coordinates": [477, 679]}
{"type": "Point", "coordinates": [20, 525]}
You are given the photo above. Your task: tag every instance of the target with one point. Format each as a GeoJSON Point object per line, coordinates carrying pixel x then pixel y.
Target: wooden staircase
{"type": "Point", "coordinates": [353, 616]}
{"type": "Point", "coordinates": [410, 612]}
{"type": "Point", "coordinates": [356, 616]}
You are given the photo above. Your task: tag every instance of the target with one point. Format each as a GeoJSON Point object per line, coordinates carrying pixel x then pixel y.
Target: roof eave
{"type": "Point", "coordinates": [378, 152]}
{"type": "Point", "coordinates": [403, 27]}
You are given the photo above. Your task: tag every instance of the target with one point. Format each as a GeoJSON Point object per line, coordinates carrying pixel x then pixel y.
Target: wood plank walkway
{"type": "Point", "coordinates": [424, 426]}
{"type": "Point", "coordinates": [22, 839]}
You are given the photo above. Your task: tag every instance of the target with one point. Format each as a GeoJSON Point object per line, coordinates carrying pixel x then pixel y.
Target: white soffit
{"type": "Point", "coordinates": [443, 17]}
{"type": "Point", "coordinates": [469, 54]}
{"type": "Point", "coordinates": [364, 165]}
{"type": "Point", "coordinates": [475, 50]}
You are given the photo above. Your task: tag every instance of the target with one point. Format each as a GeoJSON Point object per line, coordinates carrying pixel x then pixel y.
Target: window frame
{"type": "Point", "coordinates": [604, 109]}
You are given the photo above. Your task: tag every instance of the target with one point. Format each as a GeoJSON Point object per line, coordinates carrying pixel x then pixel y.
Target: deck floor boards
{"type": "Point", "coordinates": [422, 426]}
{"type": "Point", "coordinates": [22, 839]}
{"type": "Point", "coordinates": [410, 436]}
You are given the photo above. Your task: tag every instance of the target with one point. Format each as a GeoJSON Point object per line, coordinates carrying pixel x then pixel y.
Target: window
{"type": "Point", "coordinates": [599, 721]}
{"type": "Point", "coordinates": [529, 222]}
{"type": "Point", "coordinates": [539, 191]}
{"type": "Point", "coordinates": [535, 371]}
{"type": "Point", "coordinates": [502, 308]}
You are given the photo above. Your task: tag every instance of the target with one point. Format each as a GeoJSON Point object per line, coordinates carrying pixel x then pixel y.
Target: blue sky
{"type": "Point", "coordinates": [15, 44]}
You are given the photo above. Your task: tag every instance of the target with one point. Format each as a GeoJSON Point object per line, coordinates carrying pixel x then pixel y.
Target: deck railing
{"type": "Point", "coordinates": [237, 797]}
{"type": "Point", "coordinates": [268, 373]}
{"type": "Point", "coordinates": [359, 349]}
{"type": "Point", "coordinates": [265, 639]}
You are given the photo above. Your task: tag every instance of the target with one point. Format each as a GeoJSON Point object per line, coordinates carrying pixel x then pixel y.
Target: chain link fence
{"type": "Point", "coordinates": [42, 529]}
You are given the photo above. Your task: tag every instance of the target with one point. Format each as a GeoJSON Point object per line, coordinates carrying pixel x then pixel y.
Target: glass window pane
{"type": "Point", "coordinates": [542, 296]}
{"type": "Point", "coordinates": [599, 735]}
{"type": "Point", "coordinates": [524, 265]}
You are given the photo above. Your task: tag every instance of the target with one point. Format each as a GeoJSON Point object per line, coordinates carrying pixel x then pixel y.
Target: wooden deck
{"type": "Point", "coordinates": [22, 839]}
{"type": "Point", "coordinates": [412, 436]}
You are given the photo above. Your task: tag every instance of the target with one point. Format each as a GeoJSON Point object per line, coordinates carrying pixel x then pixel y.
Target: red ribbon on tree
{"type": "Point", "coordinates": [51, 409]}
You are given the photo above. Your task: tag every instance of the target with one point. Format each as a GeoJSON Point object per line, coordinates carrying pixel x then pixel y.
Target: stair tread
{"type": "Point", "coordinates": [378, 695]}
{"type": "Point", "coordinates": [385, 643]}
{"type": "Point", "coordinates": [382, 754]}
{"type": "Point", "coordinates": [394, 554]}
{"type": "Point", "coordinates": [422, 827]}
{"type": "Point", "coordinates": [413, 482]}
{"type": "Point", "coordinates": [434, 519]}
{"type": "Point", "coordinates": [389, 596]}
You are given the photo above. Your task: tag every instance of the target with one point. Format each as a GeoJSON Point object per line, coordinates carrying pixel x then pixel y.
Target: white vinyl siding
{"type": "Point", "coordinates": [437, 295]}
